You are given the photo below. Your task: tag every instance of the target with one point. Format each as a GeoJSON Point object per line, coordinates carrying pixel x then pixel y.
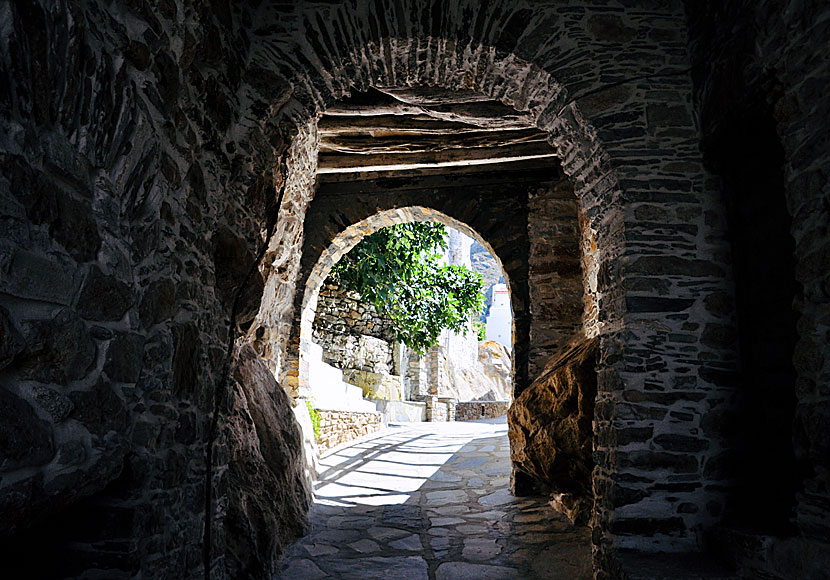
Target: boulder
{"type": "Point", "coordinates": [266, 488]}
{"type": "Point", "coordinates": [550, 427]}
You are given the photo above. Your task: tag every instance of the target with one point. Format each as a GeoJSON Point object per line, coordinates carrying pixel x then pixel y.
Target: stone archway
{"type": "Point", "coordinates": [626, 299]}
{"type": "Point", "coordinates": [154, 181]}
{"type": "Point", "coordinates": [531, 89]}
{"type": "Point", "coordinates": [349, 237]}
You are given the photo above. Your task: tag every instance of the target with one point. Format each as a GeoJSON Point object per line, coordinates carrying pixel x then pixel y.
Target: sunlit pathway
{"type": "Point", "coordinates": [431, 501]}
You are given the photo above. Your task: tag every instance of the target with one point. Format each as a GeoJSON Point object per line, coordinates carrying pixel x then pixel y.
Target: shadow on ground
{"type": "Point", "coordinates": [418, 503]}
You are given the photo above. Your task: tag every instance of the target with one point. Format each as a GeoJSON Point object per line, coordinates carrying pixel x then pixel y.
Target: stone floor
{"type": "Point", "coordinates": [431, 501]}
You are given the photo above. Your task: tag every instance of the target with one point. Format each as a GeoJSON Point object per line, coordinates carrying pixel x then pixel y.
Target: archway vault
{"type": "Point", "coordinates": [609, 129]}
{"type": "Point", "coordinates": [591, 187]}
{"type": "Point", "coordinates": [154, 181]}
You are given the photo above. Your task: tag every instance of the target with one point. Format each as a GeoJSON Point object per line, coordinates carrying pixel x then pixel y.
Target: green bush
{"type": "Point", "coordinates": [315, 419]}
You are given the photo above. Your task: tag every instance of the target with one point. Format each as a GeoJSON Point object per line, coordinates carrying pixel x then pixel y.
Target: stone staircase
{"type": "Point", "coordinates": [328, 389]}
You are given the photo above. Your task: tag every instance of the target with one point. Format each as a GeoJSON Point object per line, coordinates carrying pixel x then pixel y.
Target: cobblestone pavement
{"type": "Point", "coordinates": [430, 501]}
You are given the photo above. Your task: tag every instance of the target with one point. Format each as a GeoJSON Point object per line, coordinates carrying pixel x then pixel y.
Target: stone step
{"type": "Point", "coordinates": [320, 372]}
{"type": "Point", "coordinates": [329, 391]}
{"type": "Point", "coordinates": [672, 566]}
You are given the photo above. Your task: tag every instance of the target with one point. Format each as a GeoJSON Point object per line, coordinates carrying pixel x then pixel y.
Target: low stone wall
{"type": "Point", "coordinates": [440, 409]}
{"type": "Point", "coordinates": [337, 427]}
{"type": "Point", "coordinates": [472, 410]}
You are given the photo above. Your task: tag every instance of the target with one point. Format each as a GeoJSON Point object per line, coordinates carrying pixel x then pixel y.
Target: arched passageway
{"type": "Point", "coordinates": [375, 171]}
{"type": "Point", "coordinates": [594, 187]}
{"type": "Point", "coordinates": [482, 166]}
{"type": "Point", "coordinates": [153, 219]}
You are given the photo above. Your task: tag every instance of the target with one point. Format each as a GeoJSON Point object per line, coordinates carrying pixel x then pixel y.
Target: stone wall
{"type": "Point", "coordinates": [359, 352]}
{"type": "Point", "coordinates": [340, 311]}
{"type": "Point", "coordinates": [154, 154]}
{"type": "Point", "coordinates": [134, 207]}
{"type": "Point", "coordinates": [359, 341]}
{"type": "Point", "coordinates": [473, 410]}
{"type": "Point", "coordinates": [556, 277]}
{"type": "Point", "coordinates": [352, 334]}
{"type": "Point", "coordinates": [337, 427]}
{"type": "Point", "coordinates": [760, 91]}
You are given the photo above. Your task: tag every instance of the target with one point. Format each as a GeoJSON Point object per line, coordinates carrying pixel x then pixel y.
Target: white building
{"type": "Point", "coordinates": [500, 320]}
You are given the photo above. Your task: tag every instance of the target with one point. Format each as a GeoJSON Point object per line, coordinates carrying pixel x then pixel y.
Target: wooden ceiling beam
{"type": "Point", "coordinates": [526, 171]}
{"type": "Point", "coordinates": [511, 164]}
{"type": "Point", "coordinates": [428, 96]}
{"type": "Point", "coordinates": [379, 125]}
{"type": "Point", "coordinates": [363, 144]}
{"type": "Point", "coordinates": [329, 161]}
{"type": "Point", "coordinates": [487, 114]}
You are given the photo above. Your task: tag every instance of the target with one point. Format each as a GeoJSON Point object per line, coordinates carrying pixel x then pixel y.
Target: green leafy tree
{"type": "Point", "coordinates": [398, 269]}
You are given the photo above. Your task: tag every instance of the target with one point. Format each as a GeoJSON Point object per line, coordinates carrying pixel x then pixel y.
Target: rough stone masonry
{"type": "Point", "coordinates": [161, 235]}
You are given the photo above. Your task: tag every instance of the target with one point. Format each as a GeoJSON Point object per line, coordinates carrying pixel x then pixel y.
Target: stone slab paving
{"type": "Point", "coordinates": [430, 501]}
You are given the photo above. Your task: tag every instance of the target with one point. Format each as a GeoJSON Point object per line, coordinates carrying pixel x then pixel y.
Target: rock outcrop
{"type": "Point", "coordinates": [489, 380]}
{"type": "Point", "coordinates": [551, 428]}
{"type": "Point", "coordinates": [266, 486]}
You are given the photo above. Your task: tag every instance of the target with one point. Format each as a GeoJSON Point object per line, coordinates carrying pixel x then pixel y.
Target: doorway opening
{"type": "Point", "coordinates": [398, 330]}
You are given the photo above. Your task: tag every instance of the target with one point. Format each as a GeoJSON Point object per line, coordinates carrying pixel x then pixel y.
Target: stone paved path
{"type": "Point", "coordinates": [430, 501]}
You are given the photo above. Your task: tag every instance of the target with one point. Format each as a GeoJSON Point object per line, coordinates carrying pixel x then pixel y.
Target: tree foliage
{"type": "Point", "coordinates": [398, 269]}
{"type": "Point", "coordinates": [481, 330]}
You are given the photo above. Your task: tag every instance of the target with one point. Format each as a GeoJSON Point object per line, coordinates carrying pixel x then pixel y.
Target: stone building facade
{"type": "Point", "coordinates": [164, 236]}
